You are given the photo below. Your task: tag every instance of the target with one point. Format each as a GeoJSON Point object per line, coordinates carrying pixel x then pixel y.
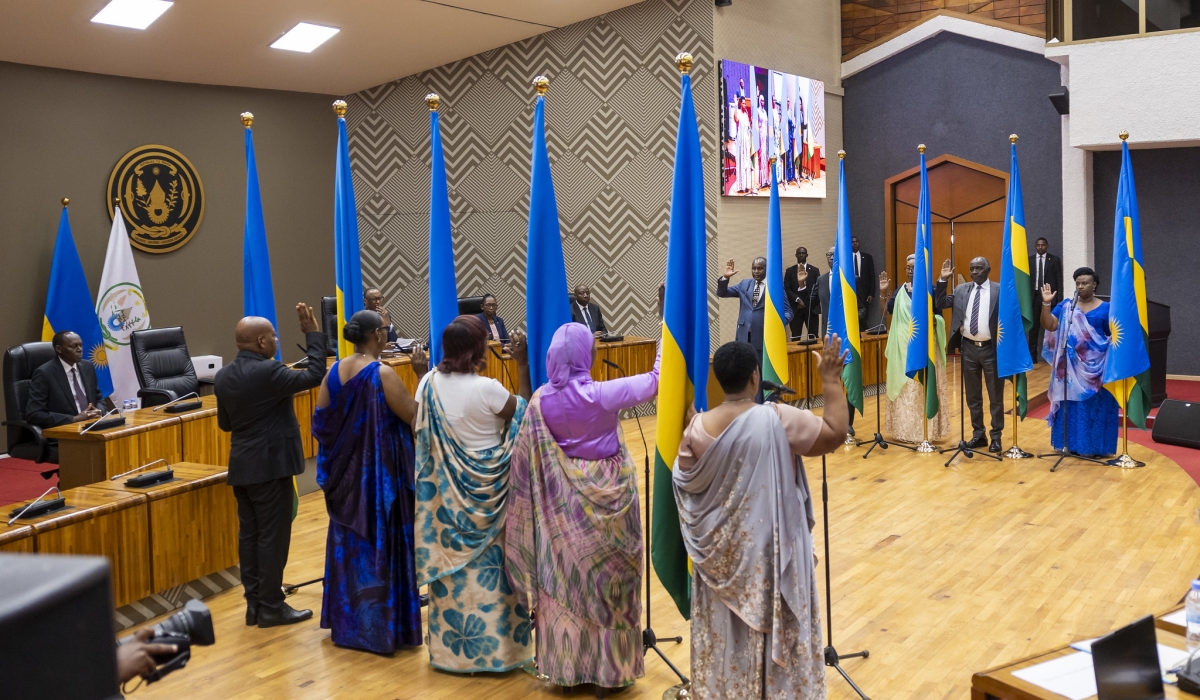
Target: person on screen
{"type": "Point", "coordinates": [764, 145]}
{"type": "Point", "coordinates": [743, 142]}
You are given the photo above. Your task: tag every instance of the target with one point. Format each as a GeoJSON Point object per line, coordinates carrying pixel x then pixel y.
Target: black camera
{"type": "Point", "coordinates": [189, 627]}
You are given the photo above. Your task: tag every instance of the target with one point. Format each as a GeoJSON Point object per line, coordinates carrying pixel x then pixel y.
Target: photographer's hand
{"type": "Point", "coordinates": [137, 657]}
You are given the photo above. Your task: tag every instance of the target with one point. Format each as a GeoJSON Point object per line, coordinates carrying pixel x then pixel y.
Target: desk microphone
{"type": "Point", "coordinates": [181, 398]}
{"type": "Point", "coordinates": [100, 420]}
{"type": "Point", "coordinates": [777, 388]}
{"type": "Point", "coordinates": [136, 469]}
{"type": "Point", "coordinates": [149, 478]}
{"type": "Point", "coordinates": [45, 507]}
{"type": "Point", "coordinates": [293, 364]}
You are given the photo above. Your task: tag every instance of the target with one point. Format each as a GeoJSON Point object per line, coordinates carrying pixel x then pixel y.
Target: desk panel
{"type": "Point", "coordinates": [203, 441]}
{"type": "Point", "coordinates": [303, 405]}
{"type": "Point", "coordinates": [15, 538]}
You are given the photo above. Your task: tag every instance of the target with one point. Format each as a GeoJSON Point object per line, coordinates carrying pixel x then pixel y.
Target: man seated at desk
{"type": "Point", "coordinates": [64, 390]}
{"type": "Point", "coordinates": [373, 301]}
{"type": "Point", "coordinates": [585, 312]}
{"type": "Point", "coordinates": [494, 324]}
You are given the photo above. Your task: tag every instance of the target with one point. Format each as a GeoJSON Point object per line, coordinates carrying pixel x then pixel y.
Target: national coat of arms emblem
{"type": "Point", "coordinates": [160, 196]}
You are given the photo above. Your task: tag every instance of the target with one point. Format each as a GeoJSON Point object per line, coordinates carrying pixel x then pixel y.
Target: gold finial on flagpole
{"type": "Point", "coordinates": [541, 84]}
{"type": "Point", "coordinates": [247, 119]}
{"type": "Point", "coordinates": [685, 62]}
{"type": "Point", "coordinates": [841, 155]}
{"type": "Point", "coordinates": [921, 148]}
{"type": "Point", "coordinates": [339, 108]}
{"type": "Point", "coordinates": [1012, 138]}
{"type": "Point", "coordinates": [1124, 135]}
{"type": "Point", "coordinates": [65, 201]}
{"type": "Point", "coordinates": [433, 101]}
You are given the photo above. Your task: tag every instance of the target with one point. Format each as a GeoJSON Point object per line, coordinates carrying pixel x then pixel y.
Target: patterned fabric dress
{"type": "Point", "coordinates": [1077, 362]}
{"type": "Point", "coordinates": [575, 550]}
{"type": "Point", "coordinates": [365, 467]}
{"type": "Point", "coordinates": [476, 622]}
{"type": "Point", "coordinates": [904, 407]}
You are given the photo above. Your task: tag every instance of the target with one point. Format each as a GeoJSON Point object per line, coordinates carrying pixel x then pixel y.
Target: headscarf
{"type": "Point", "coordinates": [570, 356]}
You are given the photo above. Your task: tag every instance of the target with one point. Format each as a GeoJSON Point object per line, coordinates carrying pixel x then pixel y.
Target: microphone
{"type": "Point", "coordinates": [293, 364]}
{"type": "Point", "coordinates": [171, 403]}
{"type": "Point", "coordinates": [149, 478]}
{"type": "Point", "coordinates": [99, 420]}
{"type": "Point", "coordinates": [504, 366]}
{"type": "Point", "coordinates": [46, 507]}
{"type": "Point", "coordinates": [136, 469]}
{"type": "Point", "coordinates": [636, 417]}
{"type": "Point", "coordinates": [777, 388]}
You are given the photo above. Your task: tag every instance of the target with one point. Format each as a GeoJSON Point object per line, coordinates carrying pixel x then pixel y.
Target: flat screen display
{"type": "Point", "coordinates": [766, 113]}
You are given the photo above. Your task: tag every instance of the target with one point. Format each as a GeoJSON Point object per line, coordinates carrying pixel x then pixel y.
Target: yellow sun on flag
{"type": "Point", "coordinates": [912, 328]}
{"type": "Point", "coordinates": [999, 331]}
{"type": "Point", "coordinates": [1118, 333]}
{"type": "Point", "coordinates": [98, 356]}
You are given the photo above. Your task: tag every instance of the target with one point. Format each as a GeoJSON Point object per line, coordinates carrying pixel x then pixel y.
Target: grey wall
{"type": "Point", "coordinates": [1167, 181]}
{"type": "Point", "coordinates": [63, 133]}
{"type": "Point", "coordinates": [959, 96]}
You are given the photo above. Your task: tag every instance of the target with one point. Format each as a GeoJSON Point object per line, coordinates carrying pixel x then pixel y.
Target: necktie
{"type": "Point", "coordinates": [1041, 279]}
{"type": "Point", "coordinates": [757, 293]}
{"type": "Point", "coordinates": [857, 265]}
{"type": "Point", "coordinates": [975, 309]}
{"type": "Point", "coordinates": [80, 397]}
{"type": "Point", "coordinates": [588, 319]}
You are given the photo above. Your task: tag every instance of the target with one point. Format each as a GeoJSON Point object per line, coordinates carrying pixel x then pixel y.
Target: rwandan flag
{"type": "Point", "coordinates": [843, 300]}
{"type": "Point", "coordinates": [347, 263]}
{"type": "Point", "coordinates": [258, 294]}
{"type": "Point", "coordinates": [775, 330]}
{"type": "Point", "coordinates": [69, 304]}
{"type": "Point", "coordinates": [922, 337]}
{"type": "Point", "coordinates": [1015, 306]}
{"type": "Point", "coordinates": [443, 289]}
{"type": "Point", "coordinates": [683, 374]}
{"type": "Point", "coordinates": [546, 305]}
{"type": "Point", "coordinates": [1128, 357]}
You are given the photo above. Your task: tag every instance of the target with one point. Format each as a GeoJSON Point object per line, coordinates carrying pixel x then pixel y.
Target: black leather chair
{"type": "Point", "coordinates": [163, 365]}
{"type": "Point", "coordinates": [25, 441]}
{"type": "Point", "coordinates": [470, 306]}
{"type": "Point", "coordinates": [329, 324]}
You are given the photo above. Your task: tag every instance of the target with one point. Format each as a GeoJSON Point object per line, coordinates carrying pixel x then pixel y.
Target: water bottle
{"type": "Point", "coordinates": [1193, 617]}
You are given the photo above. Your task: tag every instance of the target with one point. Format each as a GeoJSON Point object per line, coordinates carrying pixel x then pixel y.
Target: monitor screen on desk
{"type": "Point", "coordinates": [1126, 663]}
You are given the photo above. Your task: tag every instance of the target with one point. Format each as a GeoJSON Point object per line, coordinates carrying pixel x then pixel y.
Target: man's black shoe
{"type": "Point", "coordinates": [977, 443]}
{"type": "Point", "coordinates": [251, 615]}
{"type": "Point", "coordinates": [995, 446]}
{"type": "Point", "coordinates": [286, 616]}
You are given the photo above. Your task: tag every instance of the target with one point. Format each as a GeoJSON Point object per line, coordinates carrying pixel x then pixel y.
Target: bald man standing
{"type": "Point", "coordinates": [254, 403]}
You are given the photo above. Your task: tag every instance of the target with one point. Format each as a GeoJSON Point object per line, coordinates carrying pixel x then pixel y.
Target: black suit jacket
{"type": "Point", "coordinates": [254, 403]}
{"type": "Point", "coordinates": [958, 300]}
{"type": "Point", "coordinates": [51, 400]}
{"type": "Point", "coordinates": [499, 326]}
{"type": "Point", "coordinates": [866, 282]}
{"type": "Point", "coordinates": [594, 311]}
{"type": "Point", "coordinates": [1053, 275]}
{"type": "Point", "coordinates": [798, 299]}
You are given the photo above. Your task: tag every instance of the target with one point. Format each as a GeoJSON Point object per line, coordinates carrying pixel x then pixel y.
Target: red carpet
{"type": "Point", "coordinates": [1186, 458]}
{"type": "Point", "coordinates": [21, 480]}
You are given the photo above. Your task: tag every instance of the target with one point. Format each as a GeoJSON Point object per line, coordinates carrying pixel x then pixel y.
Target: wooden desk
{"type": "Point", "coordinates": [16, 538]}
{"type": "Point", "coordinates": [106, 523]}
{"type": "Point", "coordinates": [634, 355]}
{"type": "Point", "coordinates": [800, 361]}
{"type": "Point", "coordinates": [193, 525]}
{"type": "Point", "coordinates": [1000, 684]}
{"type": "Point", "coordinates": [402, 364]}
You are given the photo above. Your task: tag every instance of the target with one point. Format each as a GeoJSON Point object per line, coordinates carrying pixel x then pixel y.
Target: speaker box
{"type": "Point", "coordinates": [57, 638]}
{"type": "Point", "coordinates": [1178, 423]}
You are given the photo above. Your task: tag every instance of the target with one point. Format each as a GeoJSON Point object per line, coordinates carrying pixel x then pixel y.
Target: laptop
{"type": "Point", "coordinates": [1126, 663]}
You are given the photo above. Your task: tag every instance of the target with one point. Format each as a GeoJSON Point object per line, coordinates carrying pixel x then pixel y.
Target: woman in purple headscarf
{"type": "Point", "coordinates": [574, 548]}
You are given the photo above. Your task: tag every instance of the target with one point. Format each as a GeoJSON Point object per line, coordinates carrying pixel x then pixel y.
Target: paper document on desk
{"type": "Point", "coordinates": [405, 342]}
{"type": "Point", "coordinates": [1179, 617]}
{"type": "Point", "coordinates": [1070, 676]}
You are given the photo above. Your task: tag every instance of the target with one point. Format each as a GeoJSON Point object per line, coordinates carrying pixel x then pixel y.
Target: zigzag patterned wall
{"type": "Point", "coordinates": [611, 113]}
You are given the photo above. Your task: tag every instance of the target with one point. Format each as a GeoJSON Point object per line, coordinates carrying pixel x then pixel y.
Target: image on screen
{"type": "Point", "coordinates": [765, 114]}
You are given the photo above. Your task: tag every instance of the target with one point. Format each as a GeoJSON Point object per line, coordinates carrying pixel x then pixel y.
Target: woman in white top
{"type": "Point", "coordinates": [465, 429]}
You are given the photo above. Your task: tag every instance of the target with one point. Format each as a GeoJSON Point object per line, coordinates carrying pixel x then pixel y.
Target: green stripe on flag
{"type": "Point", "coordinates": [666, 540]}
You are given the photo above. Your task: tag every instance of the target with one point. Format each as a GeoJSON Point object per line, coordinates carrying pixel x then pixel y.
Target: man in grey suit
{"type": "Point", "coordinates": [973, 331]}
{"type": "Point", "coordinates": [752, 297]}
{"type": "Point", "coordinates": [823, 292]}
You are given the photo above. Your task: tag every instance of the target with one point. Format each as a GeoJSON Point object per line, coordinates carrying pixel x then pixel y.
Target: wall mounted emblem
{"type": "Point", "coordinates": [160, 195]}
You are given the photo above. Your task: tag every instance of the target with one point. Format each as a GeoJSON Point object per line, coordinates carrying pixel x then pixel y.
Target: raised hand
{"type": "Point", "coordinates": [419, 359]}
{"type": "Point", "coordinates": [518, 347]}
{"type": "Point", "coordinates": [947, 270]}
{"type": "Point", "coordinates": [308, 322]}
{"type": "Point", "coordinates": [831, 359]}
{"type": "Point", "coordinates": [730, 269]}
{"type": "Point", "coordinates": [1047, 294]}
{"type": "Point", "coordinates": [883, 284]}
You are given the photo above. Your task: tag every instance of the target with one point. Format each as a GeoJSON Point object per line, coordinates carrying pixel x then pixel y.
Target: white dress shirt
{"type": "Point", "coordinates": [71, 383]}
{"type": "Point", "coordinates": [985, 304]}
{"type": "Point", "coordinates": [1040, 271]}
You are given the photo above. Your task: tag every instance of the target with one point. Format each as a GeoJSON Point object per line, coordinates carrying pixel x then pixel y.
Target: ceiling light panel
{"type": "Point", "coordinates": [305, 37]}
{"type": "Point", "coordinates": [134, 14]}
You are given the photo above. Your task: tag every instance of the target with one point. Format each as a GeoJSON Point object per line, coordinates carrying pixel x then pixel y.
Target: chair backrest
{"type": "Point", "coordinates": [20, 362]}
{"type": "Point", "coordinates": [161, 360]}
{"type": "Point", "coordinates": [329, 324]}
{"type": "Point", "coordinates": [470, 305]}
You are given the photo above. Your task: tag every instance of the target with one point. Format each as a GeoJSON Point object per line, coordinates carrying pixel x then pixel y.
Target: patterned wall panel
{"type": "Point", "coordinates": [611, 117]}
{"type": "Point", "coordinates": [866, 21]}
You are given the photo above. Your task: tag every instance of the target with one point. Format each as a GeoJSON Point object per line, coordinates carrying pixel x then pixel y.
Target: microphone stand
{"type": "Point", "coordinates": [832, 657]}
{"type": "Point", "coordinates": [878, 440]}
{"type": "Point", "coordinates": [649, 639]}
{"type": "Point", "coordinates": [1065, 452]}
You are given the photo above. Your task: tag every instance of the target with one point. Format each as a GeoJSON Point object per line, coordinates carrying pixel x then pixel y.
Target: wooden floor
{"type": "Point", "coordinates": [939, 572]}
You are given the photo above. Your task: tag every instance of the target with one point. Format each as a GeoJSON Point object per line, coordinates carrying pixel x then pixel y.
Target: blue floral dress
{"type": "Point", "coordinates": [1077, 362]}
{"type": "Point", "coordinates": [476, 621]}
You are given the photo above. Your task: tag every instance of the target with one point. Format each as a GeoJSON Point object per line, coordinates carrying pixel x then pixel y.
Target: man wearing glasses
{"type": "Point", "coordinates": [373, 301]}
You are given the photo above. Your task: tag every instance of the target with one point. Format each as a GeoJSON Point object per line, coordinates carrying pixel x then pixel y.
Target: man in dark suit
{"type": "Point", "coordinates": [973, 330]}
{"type": "Point", "coordinates": [1044, 268]}
{"type": "Point", "coordinates": [864, 280]}
{"type": "Point", "coordinates": [752, 301]}
{"type": "Point", "coordinates": [585, 312]}
{"type": "Point", "coordinates": [254, 403]}
{"type": "Point", "coordinates": [823, 292]}
{"type": "Point", "coordinates": [64, 390]}
{"type": "Point", "coordinates": [800, 284]}
{"type": "Point", "coordinates": [494, 324]}
{"type": "Point", "coordinates": [373, 301]}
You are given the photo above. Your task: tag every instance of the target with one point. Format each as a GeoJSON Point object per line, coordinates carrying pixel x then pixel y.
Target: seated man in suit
{"type": "Point", "coordinates": [373, 301]}
{"type": "Point", "coordinates": [973, 328]}
{"type": "Point", "coordinates": [64, 390]}
{"type": "Point", "coordinates": [585, 312]}
{"type": "Point", "coordinates": [495, 324]}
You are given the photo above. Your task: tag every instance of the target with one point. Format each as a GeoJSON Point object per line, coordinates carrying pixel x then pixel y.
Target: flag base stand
{"type": "Point", "coordinates": [878, 440]}
{"type": "Point", "coordinates": [850, 441]}
{"type": "Point", "coordinates": [683, 690]}
{"type": "Point", "coordinates": [1016, 452]}
{"type": "Point", "coordinates": [1124, 461]}
{"type": "Point", "coordinates": [926, 446]}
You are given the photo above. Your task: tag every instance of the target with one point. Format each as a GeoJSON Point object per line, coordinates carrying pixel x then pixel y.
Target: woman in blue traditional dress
{"type": "Point", "coordinates": [1076, 346]}
{"type": "Point", "coordinates": [465, 428]}
{"type": "Point", "coordinates": [365, 467]}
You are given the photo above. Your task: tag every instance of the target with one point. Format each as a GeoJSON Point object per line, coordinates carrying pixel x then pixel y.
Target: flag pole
{"type": "Point", "coordinates": [1124, 460]}
{"type": "Point", "coordinates": [926, 445]}
{"type": "Point", "coordinates": [1015, 452]}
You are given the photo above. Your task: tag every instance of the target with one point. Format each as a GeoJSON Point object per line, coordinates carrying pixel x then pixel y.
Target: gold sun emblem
{"type": "Point", "coordinates": [999, 331]}
{"type": "Point", "coordinates": [912, 328]}
{"type": "Point", "coordinates": [98, 356]}
{"type": "Point", "coordinates": [1118, 333]}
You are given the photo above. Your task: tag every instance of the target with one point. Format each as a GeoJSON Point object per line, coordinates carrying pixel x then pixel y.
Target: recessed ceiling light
{"type": "Point", "coordinates": [135, 14]}
{"type": "Point", "coordinates": [305, 37]}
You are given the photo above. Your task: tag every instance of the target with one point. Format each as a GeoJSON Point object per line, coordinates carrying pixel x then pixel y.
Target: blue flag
{"type": "Point", "coordinates": [922, 338]}
{"type": "Point", "coordinates": [258, 294]}
{"type": "Point", "coordinates": [546, 305]}
{"type": "Point", "coordinates": [443, 289]}
{"type": "Point", "coordinates": [1014, 308]}
{"type": "Point", "coordinates": [843, 298]}
{"type": "Point", "coordinates": [69, 305]}
{"type": "Point", "coordinates": [346, 257]}
{"type": "Point", "coordinates": [683, 376]}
